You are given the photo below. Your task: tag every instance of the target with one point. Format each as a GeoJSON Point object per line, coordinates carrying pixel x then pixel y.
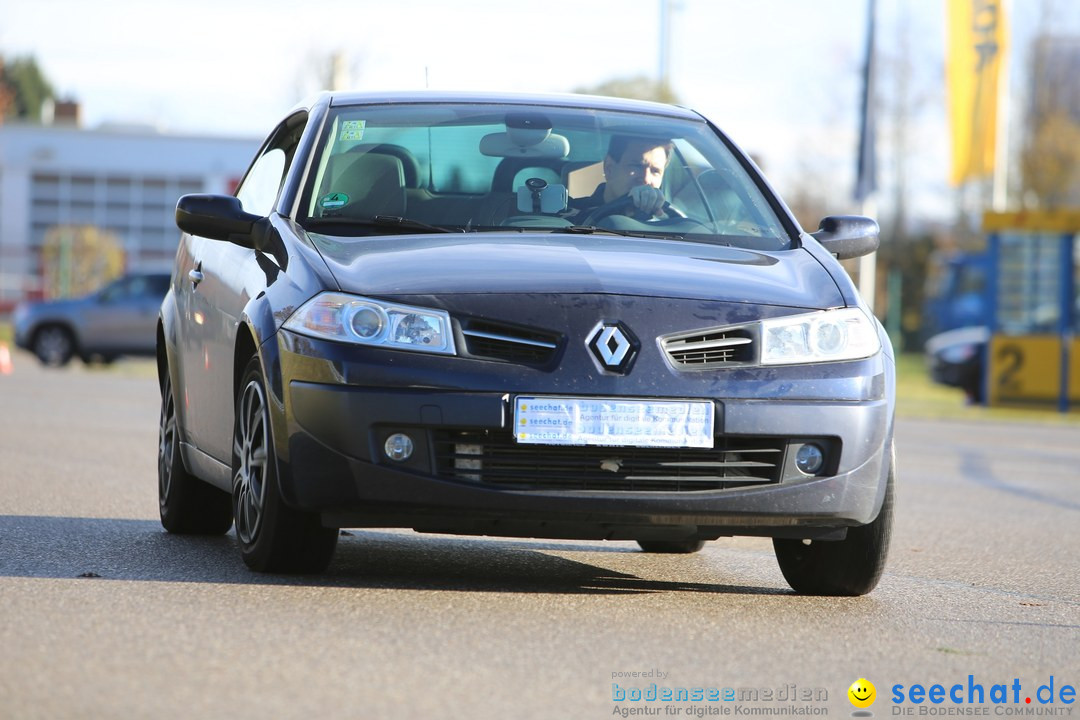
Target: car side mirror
{"type": "Point", "coordinates": [218, 217]}
{"type": "Point", "coordinates": [848, 236]}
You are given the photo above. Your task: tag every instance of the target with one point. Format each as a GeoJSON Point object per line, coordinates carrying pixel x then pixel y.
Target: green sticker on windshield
{"type": "Point", "coordinates": [352, 130]}
{"type": "Point", "coordinates": [333, 200]}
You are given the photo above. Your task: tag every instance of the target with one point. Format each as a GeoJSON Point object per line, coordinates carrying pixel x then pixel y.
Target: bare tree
{"type": "Point", "coordinates": [639, 87]}
{"type": "Point", "coordinates": [908, 87]}
{"type": "Point", "coordinates": [1050, 157]}
{"type": "Point", "coordinates": [321, 70]}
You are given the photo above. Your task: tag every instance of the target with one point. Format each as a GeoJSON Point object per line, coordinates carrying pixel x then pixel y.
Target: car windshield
{"type": "Point", "coordinates": [485, 167]}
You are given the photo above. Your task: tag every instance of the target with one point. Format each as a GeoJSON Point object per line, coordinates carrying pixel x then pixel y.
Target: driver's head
{"type": "Point", "coordinates": [634, 161]}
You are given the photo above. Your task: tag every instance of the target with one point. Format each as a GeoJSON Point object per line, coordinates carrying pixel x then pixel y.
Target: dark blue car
{"type": "Point", "coordinates": [533, 316]}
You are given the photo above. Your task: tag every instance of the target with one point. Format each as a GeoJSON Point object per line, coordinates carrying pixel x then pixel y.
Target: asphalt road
{"type": "Point", "coordinates": [102, 614]}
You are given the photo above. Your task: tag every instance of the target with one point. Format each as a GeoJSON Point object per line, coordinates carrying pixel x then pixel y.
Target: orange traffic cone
{"type": "Point", "coordinates": [5, 360]}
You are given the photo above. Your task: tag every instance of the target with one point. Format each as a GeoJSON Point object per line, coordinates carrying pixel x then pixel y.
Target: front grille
{"type": "Point", "coordinates": [494, 459]}
{"type": "Point", "coordinates": [706, 349]}
{"type": "Point", "coordinates": [509, 343]}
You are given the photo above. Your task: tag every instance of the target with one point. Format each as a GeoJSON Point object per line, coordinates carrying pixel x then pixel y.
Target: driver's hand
{"type": "Point", "coordinates": [647, 199]}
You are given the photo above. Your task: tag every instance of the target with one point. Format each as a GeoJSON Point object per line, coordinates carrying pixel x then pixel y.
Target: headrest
{"type": "Point", "coordinates": [365, 184]}
{"type": "Point", "coordinates": [408, 161]}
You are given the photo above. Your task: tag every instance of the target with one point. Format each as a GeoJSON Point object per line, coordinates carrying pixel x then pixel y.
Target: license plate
{"type": "Point", "coordinates": [619, 422]}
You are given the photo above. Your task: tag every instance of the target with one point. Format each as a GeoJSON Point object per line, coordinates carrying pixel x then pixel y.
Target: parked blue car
{"type": "Point", "coordinates": [119, 319]}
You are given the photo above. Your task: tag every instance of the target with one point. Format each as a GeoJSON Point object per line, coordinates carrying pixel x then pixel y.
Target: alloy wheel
{"type": "Point", "coordinates": [166, 443]}
{"type": "Point", "coordinates": [250, 448]}
{"type": "Point", "coordinates": [53, 346]}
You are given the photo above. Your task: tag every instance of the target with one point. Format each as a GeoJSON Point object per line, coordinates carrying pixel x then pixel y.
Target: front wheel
{"type": "Point", "coordinates": [54, 345]}
{"type": "Point", "coordinates": [273, 536]}
{"type": "Point", "coordinates": [851, 566]}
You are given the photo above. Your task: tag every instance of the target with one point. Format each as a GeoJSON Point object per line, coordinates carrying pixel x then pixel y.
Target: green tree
{"type": "Point", "coordinates": [77, 259]}
{"type": "Point", "coordinates": [22, 81]}
{"type": "Point", "coordinates": [640, 87]}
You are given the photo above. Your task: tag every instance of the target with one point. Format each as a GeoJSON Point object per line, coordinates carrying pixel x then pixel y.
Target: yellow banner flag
{"type": "Point", "coordinates": [976, 56]}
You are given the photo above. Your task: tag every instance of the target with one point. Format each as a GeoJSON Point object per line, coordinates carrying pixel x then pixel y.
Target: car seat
{"type": "Point", "coordinates": [372, 183]}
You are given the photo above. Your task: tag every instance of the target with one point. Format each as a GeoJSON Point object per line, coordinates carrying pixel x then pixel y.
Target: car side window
{"type": "Point", "coordinates": [260, 188]}
{"type": "Point", "coordinates": [117, 291]}
{"type": "Point", "coordinates": [258, 192]}
{"type": "Point", "coordinates": [137, 287]}
{"type": "Point", "coordinates": [157, 285]}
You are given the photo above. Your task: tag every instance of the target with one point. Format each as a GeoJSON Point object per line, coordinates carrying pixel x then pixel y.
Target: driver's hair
{"type": "Point", "coordinates": [619, 143]}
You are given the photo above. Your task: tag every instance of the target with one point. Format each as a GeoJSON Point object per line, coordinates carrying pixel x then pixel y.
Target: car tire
{"type": "Point", "coordinates": [851, 566]}
{"type": "Point", "coordinates": [671, 547]}
{"type": "Point", "coordinates": [54, 345]}
{"type": "Point", "coordinates": [273, 537]}
{"type": "Point", "coordinates": [188, 505]}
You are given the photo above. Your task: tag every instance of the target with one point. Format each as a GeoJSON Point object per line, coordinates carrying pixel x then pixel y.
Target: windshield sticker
{"type": "Point", "coordinates": [352, 130]}
{"type": "Point", "coordinates": [333, 200]}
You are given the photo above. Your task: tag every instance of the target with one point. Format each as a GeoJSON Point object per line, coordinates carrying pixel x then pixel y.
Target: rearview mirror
{"type": "Point", "coordinates": [848, 236]}
{"type": "Point", "coordinates": [218, 217]}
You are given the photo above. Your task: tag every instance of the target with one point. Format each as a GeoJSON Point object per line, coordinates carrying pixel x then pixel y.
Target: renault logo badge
{"type": "Point", "coordinates": [614, 346]}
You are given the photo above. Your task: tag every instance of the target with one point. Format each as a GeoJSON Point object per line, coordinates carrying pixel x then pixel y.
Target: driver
{"type": "Point", "coordinates": [633, 167]}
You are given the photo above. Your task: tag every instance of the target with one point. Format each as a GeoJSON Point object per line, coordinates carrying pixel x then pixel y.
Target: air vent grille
{"type": "Point", "coordinates": [509, 343]}
{"type": "Point", "coordinates": [706, 349]}
{"type": "Point", "coordinates": [494, 459]}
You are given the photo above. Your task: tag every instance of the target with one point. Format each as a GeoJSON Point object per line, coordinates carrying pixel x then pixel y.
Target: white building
{"type": "Point", "coordinates": [124, 180]}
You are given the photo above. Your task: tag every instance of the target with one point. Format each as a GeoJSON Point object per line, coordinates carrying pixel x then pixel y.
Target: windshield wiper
{"type": "Point", "coordinates": [404, 222]}
{"type": "Point", "coordinates": [386, 221]}
{"type": "Point", "coordinates": [593, 229]}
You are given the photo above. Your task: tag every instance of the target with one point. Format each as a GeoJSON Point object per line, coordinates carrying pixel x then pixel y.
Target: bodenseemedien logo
{"type": "Point", "coordinates": [700, 701]}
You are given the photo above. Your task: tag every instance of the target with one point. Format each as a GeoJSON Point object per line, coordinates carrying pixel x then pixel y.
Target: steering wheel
{"type": "Point", "coordinates": [620, 204]}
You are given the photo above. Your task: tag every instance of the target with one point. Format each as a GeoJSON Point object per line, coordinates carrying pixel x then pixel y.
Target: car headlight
{"type": "Point", "coordinates": [825, 336]}
{"type": "Point", "coordinates": [354, 319]}
{"type": "Point", "coordinates": [958, 354]}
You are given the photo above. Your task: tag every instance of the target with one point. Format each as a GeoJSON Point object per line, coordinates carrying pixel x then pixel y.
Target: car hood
{"type": "Point", "coordinates": [517, 263]}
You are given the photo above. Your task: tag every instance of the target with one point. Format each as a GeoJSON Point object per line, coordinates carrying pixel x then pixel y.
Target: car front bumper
{"type": "Point", "coordinates": [337, 405]}
{"type": "Point", "coordinates": [21, 322]}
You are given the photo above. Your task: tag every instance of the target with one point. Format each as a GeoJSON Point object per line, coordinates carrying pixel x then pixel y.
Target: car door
{"type": "Point", "coordinates": [222, 277]}
{"type": "Point", "coordinates": [124, 316]}
{"type": "Point", "coordinates": [120, 318]}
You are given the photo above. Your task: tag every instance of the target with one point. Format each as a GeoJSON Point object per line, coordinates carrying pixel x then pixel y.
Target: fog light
{"type": "Point", "coordinates": [809, 459]}
{"type": "Point", "coordinates": [398, 447]}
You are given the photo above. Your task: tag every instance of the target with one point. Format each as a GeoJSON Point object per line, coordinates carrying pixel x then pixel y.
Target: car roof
{"type": "Point", "coordinates": [595, 102]}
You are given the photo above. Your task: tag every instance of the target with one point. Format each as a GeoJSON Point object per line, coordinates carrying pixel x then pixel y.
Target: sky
{"type": "Point", "coordinates": [781, 77]}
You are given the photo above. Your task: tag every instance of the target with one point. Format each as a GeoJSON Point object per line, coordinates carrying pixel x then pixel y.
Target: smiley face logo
{"type": "Point", "coordinates": [862, 693]}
